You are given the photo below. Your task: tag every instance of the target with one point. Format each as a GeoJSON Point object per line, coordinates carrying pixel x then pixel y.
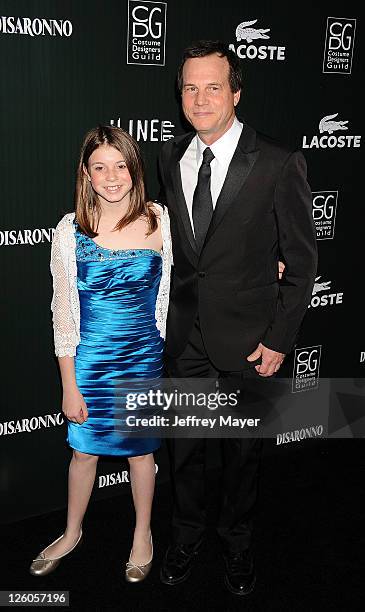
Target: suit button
{"type": "Point", "coordinates": [201, 274]}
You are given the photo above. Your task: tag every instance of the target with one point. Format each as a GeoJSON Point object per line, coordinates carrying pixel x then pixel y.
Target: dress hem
{"type": "Point", "coordinates": [126, 454]}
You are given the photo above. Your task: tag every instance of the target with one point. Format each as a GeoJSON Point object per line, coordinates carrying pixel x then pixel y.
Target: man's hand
{"type": "Point", "coordinates": [270, 360]}
{"type": "Point", "coordinates": [281, 266]}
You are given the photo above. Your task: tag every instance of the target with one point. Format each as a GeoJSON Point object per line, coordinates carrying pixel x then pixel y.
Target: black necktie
{"type": "Point", "coordinates": [202, 200]}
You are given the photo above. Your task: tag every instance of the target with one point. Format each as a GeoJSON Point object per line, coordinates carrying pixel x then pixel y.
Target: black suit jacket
{"type": "Point", "coordinates": [264, 212]}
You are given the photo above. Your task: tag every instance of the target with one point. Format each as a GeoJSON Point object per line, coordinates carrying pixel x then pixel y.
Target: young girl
{"type": "Point", "coordinates": [110, 264]}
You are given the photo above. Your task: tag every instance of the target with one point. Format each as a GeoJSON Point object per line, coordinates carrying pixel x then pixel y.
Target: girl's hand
{"type": "Point", "coordinates": [74, 407]}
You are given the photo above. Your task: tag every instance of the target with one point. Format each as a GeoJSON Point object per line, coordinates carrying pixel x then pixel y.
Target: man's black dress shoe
{"type": "Point", "coordinates": [177, 563]}
{"type": "Point", "coordinates": [240, 574]}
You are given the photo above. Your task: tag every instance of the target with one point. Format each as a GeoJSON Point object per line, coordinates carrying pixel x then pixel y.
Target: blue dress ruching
{"type": "Point", "coordinates": [118, 340]}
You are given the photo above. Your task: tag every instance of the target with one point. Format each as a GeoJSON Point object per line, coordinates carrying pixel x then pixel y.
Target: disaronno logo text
{"type": "Point", "coordinates": [27, 425]}
{"type": "Point", "coordinates": [38, 26]}
{"type": "Point", "coordinates": [26, 236]}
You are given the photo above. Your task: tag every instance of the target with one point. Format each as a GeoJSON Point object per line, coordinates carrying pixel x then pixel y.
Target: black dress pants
{"type": "Point", "coordinates": [240, 462]}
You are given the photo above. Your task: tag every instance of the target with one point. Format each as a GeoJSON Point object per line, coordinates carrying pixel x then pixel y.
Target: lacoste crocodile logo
{"type": "Point", "coordinates": [326, 125]}
{"type": "Point", "coordinates": [244, 32]}
{"type": "Point", "coordinates": [320, 286]}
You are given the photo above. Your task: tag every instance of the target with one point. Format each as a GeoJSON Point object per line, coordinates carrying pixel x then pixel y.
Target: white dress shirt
{"type": "Point", "coordinates": [223, 150]}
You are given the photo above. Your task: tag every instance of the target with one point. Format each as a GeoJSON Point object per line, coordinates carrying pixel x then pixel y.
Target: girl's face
{"type": "Point", "coordinates": [109, 175]}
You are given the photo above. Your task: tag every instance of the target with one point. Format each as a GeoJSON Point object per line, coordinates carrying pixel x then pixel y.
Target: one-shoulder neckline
{"type": "Point", "coordinates": [114, 251]}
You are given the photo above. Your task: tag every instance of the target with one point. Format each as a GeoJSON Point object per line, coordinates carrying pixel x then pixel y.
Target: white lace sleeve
{"type": "Point", "coordinates": [64, 303]}
{"type": "Point", "coordinates": [162, 302]}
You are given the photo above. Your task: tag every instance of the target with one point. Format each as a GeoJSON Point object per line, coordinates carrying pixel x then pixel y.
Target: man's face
{"type": "Point", "coordinates": [207, 100]}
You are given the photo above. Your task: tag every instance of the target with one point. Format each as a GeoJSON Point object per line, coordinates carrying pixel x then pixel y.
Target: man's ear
{"type": "Point", "coordinates": [84, 169]}
{"type": "Point", "coordinates": [236, 97]}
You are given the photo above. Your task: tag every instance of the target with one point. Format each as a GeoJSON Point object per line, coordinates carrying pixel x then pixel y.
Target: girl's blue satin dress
{"type": "Point", "coordinates": [118, 339]}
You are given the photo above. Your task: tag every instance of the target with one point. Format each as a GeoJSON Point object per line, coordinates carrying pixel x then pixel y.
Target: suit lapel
{"type": "Point", "coordinates": [177, 153]}
{"type": "Point", "coordinates": [239, 169]}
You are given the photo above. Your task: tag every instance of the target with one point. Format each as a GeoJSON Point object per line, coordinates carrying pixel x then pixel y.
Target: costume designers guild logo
{"type": "Point", "coordinates": [319, 298]}
{"type": "Point", "coordinates": [328, 125]}
{"type": "Point", "coordinates": [146, 32]}
{"type": "Point", "coordinates": [245, 32]}
{"type": "Point", "coordinates": [306, 368]}
{"type": "Point", "coordinates": [147, 130]}
{"type": "Point", "coordinates": [339, 45]}
{"type": "Point", "coordinates": [35, 27]}
{"type": "Point", "coordinates": [324, 213]}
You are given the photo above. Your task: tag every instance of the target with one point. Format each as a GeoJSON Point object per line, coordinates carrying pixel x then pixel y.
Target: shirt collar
{"type": "Point", "coordinates": [221, 148]}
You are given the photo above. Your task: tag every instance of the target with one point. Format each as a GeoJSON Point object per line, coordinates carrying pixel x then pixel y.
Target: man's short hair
{"type": "Point", "coordinates": [202, 48]}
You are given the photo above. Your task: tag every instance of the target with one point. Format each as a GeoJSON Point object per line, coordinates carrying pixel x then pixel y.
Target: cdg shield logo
{"type": "Point", "coordinates": [339, 45]}
{"type": "Point", "coordinates": [321, 206]}
{"type": "Point", "coordinates": [324, 213]}
{"type": "Point", "coordinates": [307, 361]}
{"type": "Point", "coordinates": [146, 32]}
{"type": "Point", "coordinates": [145, 22]}
{"type": "Point", "coordinates": [338, 35]}
{"type": "Point", "coordinates": [306, 368]}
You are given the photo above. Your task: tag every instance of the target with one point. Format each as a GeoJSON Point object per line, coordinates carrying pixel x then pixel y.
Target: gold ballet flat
{"type": "Point", "coordinates": [41, 565]}
{"type": "Point", "coordinates": [137, 573]}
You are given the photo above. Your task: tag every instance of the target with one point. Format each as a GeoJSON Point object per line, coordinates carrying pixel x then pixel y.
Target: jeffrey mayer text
{"type": "Point", "coordinates": [190, 421]}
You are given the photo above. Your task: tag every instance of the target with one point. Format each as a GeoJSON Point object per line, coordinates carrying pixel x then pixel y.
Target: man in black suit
{"type": "Point", "coordinates": [237, 202]}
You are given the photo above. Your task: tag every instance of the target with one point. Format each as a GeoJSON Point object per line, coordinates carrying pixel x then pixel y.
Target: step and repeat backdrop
{"type": "Point", "coordinates": [68, 65]}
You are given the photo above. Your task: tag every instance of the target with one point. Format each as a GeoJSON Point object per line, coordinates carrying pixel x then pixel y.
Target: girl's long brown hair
{"type": "Point", "coordinates": [88, 209]}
